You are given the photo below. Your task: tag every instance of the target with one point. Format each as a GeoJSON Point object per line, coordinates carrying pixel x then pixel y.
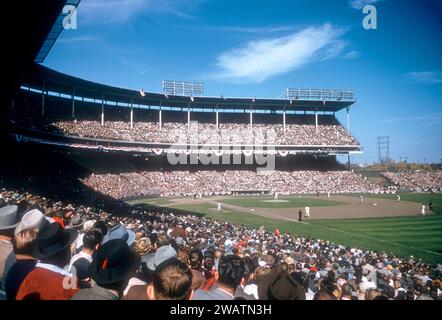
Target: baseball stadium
{"type": "Point", "coordinates": [265, 185]}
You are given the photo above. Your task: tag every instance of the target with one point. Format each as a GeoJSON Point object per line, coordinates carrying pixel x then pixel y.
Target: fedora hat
{"type": "Point", "coordinates": [32, 219]}
{"type": "Point", "coordinates": [279, 285]}
{"type": "Point", "coordinates": [53, 239]}
{"type": "Point", "coordinates": [77, 222]}
{"type": "Point", "coordinates": [114, 261]}
{"type": "Point", "coordinates": [120, 232]}
{"type": "Point", "coordinates": [9, 217]}
{"type": "Point", "coordinates": [164, 253]}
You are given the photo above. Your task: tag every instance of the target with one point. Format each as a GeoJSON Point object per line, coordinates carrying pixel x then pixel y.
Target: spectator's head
{"type": "Point", "coordinates": [218, 253]}
{"type": "Point", "coordinates": [183, 255]}
{"type": "Point", "coordinates": [389, 292]}
{"type": "Point", "coordinates": [330, 286]}
{"type": "Point", "coordinates": [279, 285]}
{"type": "Point", "coordinates": [230, 272]}
{"type": "Point", "coordinates": [371, 294]}
{"type": "Point", "coordinates": [101, 226]}
{"type": "Point", "coordinates": [24, 242]}
{"type": "Point", "coordinates": [113, 265]}
{"type": "Point", "coordinates": [347, 291]}
{"type": "Point", "coordinates": [119, 231]}
{"type": "Point", "coordinates": [400, 295]}
{"type": "Point", "coordinates": [33, 219]}
{"type": "Point", "coordinates": [323, 295]}
{"type": "Point", "coordinates": [77, 222]}
{"type": "Point", "coordinates": [53, 244]}
{"type": "Point", "coordinates": [208, 262]}
{"type": "Point", "coordinates": [249, 268]}
{"type": "Point", "coordinates": [143, 246]}
{"type": "Point", "coordinates": [27, 230]}
{"type": "Point", "coordinates": [172, 281]}
{"type": "Point", "coordinates": [260, 272]}
{"type": "Point", "coordinates": [92, 240]}
{"type": "Point", "coordinates": [196, 259]}
{"type": "Point", "coordinates": [153, 260]}
{"type": "Point", "coordinates": [9, 219]}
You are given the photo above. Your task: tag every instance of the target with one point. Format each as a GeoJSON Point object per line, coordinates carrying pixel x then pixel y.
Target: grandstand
{"type": "Point", "coordinates": [116, 117]}
{"type": "Point", "coordinates": [75, 114]}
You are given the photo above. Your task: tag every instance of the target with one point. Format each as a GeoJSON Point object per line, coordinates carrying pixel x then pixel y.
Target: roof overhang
{"type": "Point", "coordinates": [58, 82]}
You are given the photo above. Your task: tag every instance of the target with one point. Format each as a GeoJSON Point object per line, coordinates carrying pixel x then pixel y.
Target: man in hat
{"type": "Point", "coordinates": [24, 243]}
{"type": "Point", "coordinates": [229, 276]}
{"type": "Point", "coordinates": [164, 253]}
{"type": "Point", "coordinates": [79, 264]}
{"type": "Point", "coordinates": [113, 265]}
{"type": "Point", "coordinates": [279, 285]}
{"type": "Point", "coordinates": [120, 232]}
{"type": "Point", "coordinates": [9, 219]}
{"type": "Point", "coordinates": [48, 281]}
{"type": "Point", "coordinates": [171, 281]}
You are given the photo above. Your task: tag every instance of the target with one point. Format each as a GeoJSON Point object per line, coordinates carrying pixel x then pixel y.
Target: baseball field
{"type": "Point", "coordinates": [378, 223]}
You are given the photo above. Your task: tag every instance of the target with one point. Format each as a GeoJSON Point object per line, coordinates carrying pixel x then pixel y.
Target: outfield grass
{"type": "Point", "coordinates": [289, 202]}
{"type": "Point", "coordinates": [405, 236]}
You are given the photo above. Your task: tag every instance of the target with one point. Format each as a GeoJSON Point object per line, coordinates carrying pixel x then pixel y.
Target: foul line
{"type": "Point", "coordinates": [324, 227]}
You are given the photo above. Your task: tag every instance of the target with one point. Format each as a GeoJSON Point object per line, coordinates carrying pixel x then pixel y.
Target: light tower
{"type": "Point", "coordinates": [384, 149]}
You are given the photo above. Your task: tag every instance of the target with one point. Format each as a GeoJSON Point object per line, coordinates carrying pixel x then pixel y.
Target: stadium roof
{"type": "Point", "coordinates": [55, 32]}
{"type": "Point", "coordinates": [26, 26]}
{"type": "Point", "coordinates": [58, 82]}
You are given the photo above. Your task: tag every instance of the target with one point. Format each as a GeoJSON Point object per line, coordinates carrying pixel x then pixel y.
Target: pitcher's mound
{"type": "Point", "coordinates": [274, 201]}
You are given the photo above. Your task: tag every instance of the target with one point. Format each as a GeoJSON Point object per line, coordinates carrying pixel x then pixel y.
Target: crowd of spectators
{"type": "Point", "coordinates": [234, 129]}
{"type": "Point", "coordinates": [204, 133]}
{"type": "Point", "coordinates": [213, 182]}
{"type": "Point", "coordinates": [61, 251]}
{"type": "Point", "coordinates": [418, 181]}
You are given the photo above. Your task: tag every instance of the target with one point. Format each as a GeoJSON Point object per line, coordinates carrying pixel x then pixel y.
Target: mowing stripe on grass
{"type": "Point", "coordinates": [381, 240]}
{"type": "Point", "coordinates": [352, 234]}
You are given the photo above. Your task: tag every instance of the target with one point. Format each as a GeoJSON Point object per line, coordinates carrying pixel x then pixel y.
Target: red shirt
{"type": "Point", "coordinates": [45, 284]}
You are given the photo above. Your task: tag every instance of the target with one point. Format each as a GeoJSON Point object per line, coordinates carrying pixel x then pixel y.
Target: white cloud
{"type": "Point", "coordinates": [258, 60]}
{"type": "Point", "coordinates": [114, 11]}
{"type": "Point", "coordinates": [425, 77]}
{"type": "Point", "coordinates": [359, 4]}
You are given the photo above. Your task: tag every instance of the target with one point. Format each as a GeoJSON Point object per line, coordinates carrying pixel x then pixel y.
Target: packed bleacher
{"type": "Point", "coordinates": [60, 251]}
{"type": "Point", "coordinates": [203, 133]}
{"type": "Point", "coordinates": [234, 128]}
{"type": "Point", "coordinates": [213, 182]}
{"type": "Point", "coordinates": [418, 181]}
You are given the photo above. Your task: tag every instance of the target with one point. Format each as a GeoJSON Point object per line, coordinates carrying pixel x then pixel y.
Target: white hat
{"type": "Point", "coordinates": [88, 225]}
{"type": "Point", "coordinates": [32, 219]}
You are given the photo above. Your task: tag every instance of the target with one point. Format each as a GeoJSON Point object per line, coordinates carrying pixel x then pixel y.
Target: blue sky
{"type": "Point", "coordinates": [260, 48]}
